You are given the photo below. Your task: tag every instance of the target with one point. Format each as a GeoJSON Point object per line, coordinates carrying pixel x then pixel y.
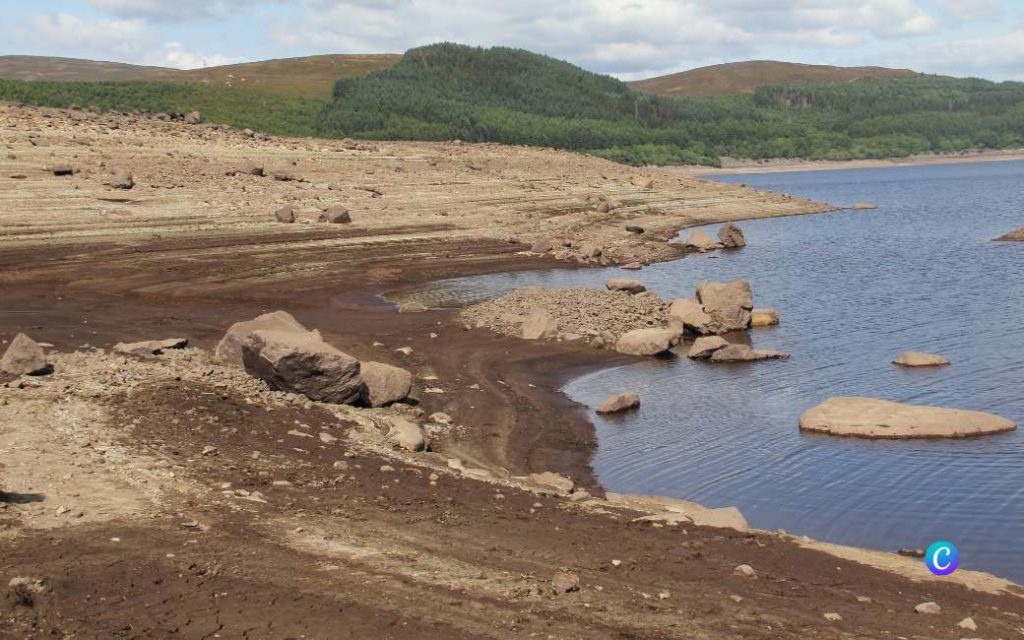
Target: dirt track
{"type": "Point", "coordinates": [276, 532]}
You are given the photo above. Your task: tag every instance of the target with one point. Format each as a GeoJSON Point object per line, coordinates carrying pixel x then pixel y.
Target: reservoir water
{"type": "Point", "coordinates": [854, 289]}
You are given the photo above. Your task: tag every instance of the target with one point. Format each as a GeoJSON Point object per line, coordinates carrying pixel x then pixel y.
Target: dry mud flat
{"type": "Point", "coordinates": [178, 498]}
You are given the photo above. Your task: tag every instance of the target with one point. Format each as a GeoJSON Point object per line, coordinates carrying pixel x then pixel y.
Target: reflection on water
{"type": "Point", "coordinates": [854, 289]}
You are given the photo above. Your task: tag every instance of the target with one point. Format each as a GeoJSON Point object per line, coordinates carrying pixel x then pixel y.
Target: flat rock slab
{"type": "Point", "coordinates": [870, 418]}
{"type": "Point", "coordinates": [916, 359]}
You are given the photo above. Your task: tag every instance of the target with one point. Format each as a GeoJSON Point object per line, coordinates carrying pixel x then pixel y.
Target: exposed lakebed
{"type": "Point", "coordinates": [854, 289]}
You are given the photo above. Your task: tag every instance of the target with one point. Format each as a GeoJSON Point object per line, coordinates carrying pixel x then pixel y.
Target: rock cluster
{"type": "Point", "coordinates": [729, 237]}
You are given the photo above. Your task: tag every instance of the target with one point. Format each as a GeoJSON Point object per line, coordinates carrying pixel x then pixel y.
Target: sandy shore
{"type": "Point", "coordinates": [778, 166]}
{"type": "Point", "coordinates": [175, 497]}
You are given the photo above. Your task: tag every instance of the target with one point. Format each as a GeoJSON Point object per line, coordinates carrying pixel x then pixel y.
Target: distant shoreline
{"type": "Point", "coordinates": [775, 166]}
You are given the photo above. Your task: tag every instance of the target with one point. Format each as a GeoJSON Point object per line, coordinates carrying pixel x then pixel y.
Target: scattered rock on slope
{"type": "Point", "coordinates": [303, 363]}
{"type": "Point", "coordinates": [406, 434]}
{"type": "Point", "coordinates": [285, 214]}
{"type": "Point", "coordinates": [24, 356]}
{"type": "Point", "coordinates": [871, 418]}
{"type": "Point", "coordinates": [336, 215]}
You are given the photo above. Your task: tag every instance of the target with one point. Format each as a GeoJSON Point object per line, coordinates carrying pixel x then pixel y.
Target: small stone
{"type": "Point", "coordinates": [929, 608]}
{"type": "Point", "coordinates": [327, 438]}
{"type": "Point", "coordinates": [864, 599]}
{"type": "Point", "coordinates": [565, 581]}
{"type": "Point", "coordinates": [968, 624]}
{"type": "Point", "coordinates": [832, 617]}
{"type": "Point", "coordinates": [616, 563]}
{"type": "Point", "coordinates": [209, 450]}
{"type": "Point", "coordinates": [745, 571]}
{"type": "Point", "coordinates": [736, 598]}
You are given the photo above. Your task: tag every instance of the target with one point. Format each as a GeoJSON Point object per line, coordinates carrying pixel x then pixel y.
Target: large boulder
{"type": "Point", "coordinates": [619, 402]}
{"type": "Point", "coordinates": [647, 342]}
{"type": "Point", "coordinates": [745, 353]}
{"type": "Point", "coordinates": [690, 312]}
{"type": "Point", "coordinates": [1017, 235]}
{"type": "Point", "coordinates": [629, 285]}
{"type": "Point", "coordinates": [705, 346]}
{"type": "Point", "coordinates": [303, 363]}
{"type": "Point", "coordinates": [731, 236]}
{"type": "Point", "coordinates": [229, 349]}
{"type": "Point", "coordinates": [24, 356]}
{"type": "Point", "coordinates": [539, 325]}
{"type": "Point", "coordinates": [917, 359]}
{"type": "Point", "coordinates": [701, 241]}
{"type": "Point", "coordinates": [871, 418]}
{"type": "Point", "coordinates": [728, 303]}
{"type": "Point", "coordinates": [385, 384]}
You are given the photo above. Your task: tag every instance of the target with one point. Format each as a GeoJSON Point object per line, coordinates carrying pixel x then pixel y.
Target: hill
{"type": "Point", "coordinates": [308, 77]}
{"type": "Point", "coordinates": [745, 77]}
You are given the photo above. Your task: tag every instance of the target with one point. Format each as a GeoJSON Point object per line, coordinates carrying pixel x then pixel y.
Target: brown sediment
{"type": "Point", "coordinates": [176, 497]}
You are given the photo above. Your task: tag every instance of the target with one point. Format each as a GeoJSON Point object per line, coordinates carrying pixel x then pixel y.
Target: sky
{"type": "Point", "coordinates": [629, 39]}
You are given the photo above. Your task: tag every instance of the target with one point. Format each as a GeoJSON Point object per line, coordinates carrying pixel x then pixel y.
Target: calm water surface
{"type": "Point", "coordinates": [854, 289]}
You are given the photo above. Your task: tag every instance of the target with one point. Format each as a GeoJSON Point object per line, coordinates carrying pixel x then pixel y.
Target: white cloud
{"type": "Point", "coordinates": [970, 9]}
{"type": "Point", "coordinates": [117, 39]}
{"type": "Point", "coordinates": [1001, 56]}
{"type": "Point", "coordinates": [176, 56]}
{"type": "Point", "coordinates": [171, 11]}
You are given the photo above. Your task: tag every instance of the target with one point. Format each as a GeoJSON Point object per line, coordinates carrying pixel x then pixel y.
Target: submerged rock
{"type": "Point", "coordinates": [619, 402]}
{"type": "Point", "coordinates": [745, 353]}
{"type": "Point", "coordinates": [1017, 235]}
{"type": "Point", "coordinates": [629, 285]}
{"type": "Point", "coordinates": [731, 236]}
{"type": "Point", "coordinates": [705, 346]}
{"type": "Point", "coordinates": [764, 317]}
{"type": "Point", "coordinates": [917, 359]}
{"type": "Point", "coordinates": [872, 418]}
{"type": "Point", "coordinates": [24, 356]}
{"type": "Point", "coordinates": [701, 241]}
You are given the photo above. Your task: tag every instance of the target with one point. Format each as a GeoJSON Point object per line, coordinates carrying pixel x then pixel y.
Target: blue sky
{"type": "Point", "coordinates": [626, 38]}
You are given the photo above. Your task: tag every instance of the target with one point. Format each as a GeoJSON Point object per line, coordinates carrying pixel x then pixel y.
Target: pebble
{"type": "Point", "coordinates": [832, 617]}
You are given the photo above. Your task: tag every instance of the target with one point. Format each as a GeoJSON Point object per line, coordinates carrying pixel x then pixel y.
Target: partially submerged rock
{"type": "Point", "coordinates": [701, 241]}
{"type": "Point", "coordinates": [1017, 235]}
{"type": "Point", "coordinates": [731, 236]}
{"type": "Point", "coordinates": [229, 349]}
{"type": "Point", "coordinates": [303, 363]}
{"type": "Point", "coordinates": [728, 303]}
{"type": "Point", "coordinates": [647, 342]}
{"type": "Point", "coordinates": [629, 285]}
{"type": "Point", "coordinates": [745, 353]}
{"type": "Point", "coordinates": [619, 402]}
{"type": "Point", "coordinates": [918, 359]}
{"type": "Point", "coordinates": [705, 346]}
{"type": "Point", "coordinates": [385, 384]}
{"type": "Point", "coordinates": [871, 418]}
{"type": "Point", "coordinates": [764, 317]}
{"type": "Point", "coordinates": [24, 356]}
{"type": "Point", "coordinates": [150, 348]}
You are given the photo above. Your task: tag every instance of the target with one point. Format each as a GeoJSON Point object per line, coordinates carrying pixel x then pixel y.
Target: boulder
{"type": "Point", "coordinates": [539, 325]}
{"type": "Point", "coordinates": [691, 313]}
{"type": "Point", "coordinates": [731, 236]}
{"type": "Point", "coordinates": [701, 241]}
{"type": "Point", "coordinates": [335, 215]}
{"type": "Point", "coordinates": [591, 250]}
{"type": "Point", "coordinates": [705, 346]}
{"type": "Point", "coordinates": [63, 170]}
{"type": "Point", "coordinates": [643, 182]}
{"type": "Point", "coordinates": [24, 356]}
{"type": "Point", "coordinates": [745, 353]}
{"type": "Point", "coordinates": [285, 214]}
{"type": "Point", "coordinates": [647, 342]}
{"type": "Point", "coordinates": [1017, 235]}
{"type": "Point", "coordinates": [193, 117]}
{"type": "Point", "coordinates": [871, 418]}
{"type": "Point", "coordinates": [565, 582]}
{"type": "Point", "coordinates": [150, 348]}
{"type": "Point", "coordinates": [122, 180]}
{"type": "Point", "coordinates": [303, 363]}
{"type": "Point", "coordinates": [385, 384]}
{"type": "Point", "coordinates": [764, 317]}
{"type": "Point", "coordinates": [628, 285]}
{"type": "Point", "coordinates": [542, 246]}
{"type": "Point", "coordinates": [728, 303]}
{"type": "Point", "coordinates": [229, 349]}
{"type": "Point", "coordinates": [619, 402]}
{"type": "Point", "coordinates": [917, 359]}
{"type": "Point", "coordinates": [632, 228]}
{"type": "Point", "coordinates": [406, 434]}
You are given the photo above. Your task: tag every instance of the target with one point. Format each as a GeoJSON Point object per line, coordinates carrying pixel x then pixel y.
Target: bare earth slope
{"type": "Point", "coordinates": [310, 76]}
{"type": "Point", "coordinates": [744, 77]}
{"type": "Point", "coordinates": [176, 497]}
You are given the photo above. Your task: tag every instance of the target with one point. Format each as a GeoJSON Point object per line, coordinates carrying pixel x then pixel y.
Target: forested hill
{"type": "Point", "coordinates": [448, 91]}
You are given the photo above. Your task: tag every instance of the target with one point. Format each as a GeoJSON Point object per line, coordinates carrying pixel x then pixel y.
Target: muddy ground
{"type": "Point", "coordinates": [178, 498]}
